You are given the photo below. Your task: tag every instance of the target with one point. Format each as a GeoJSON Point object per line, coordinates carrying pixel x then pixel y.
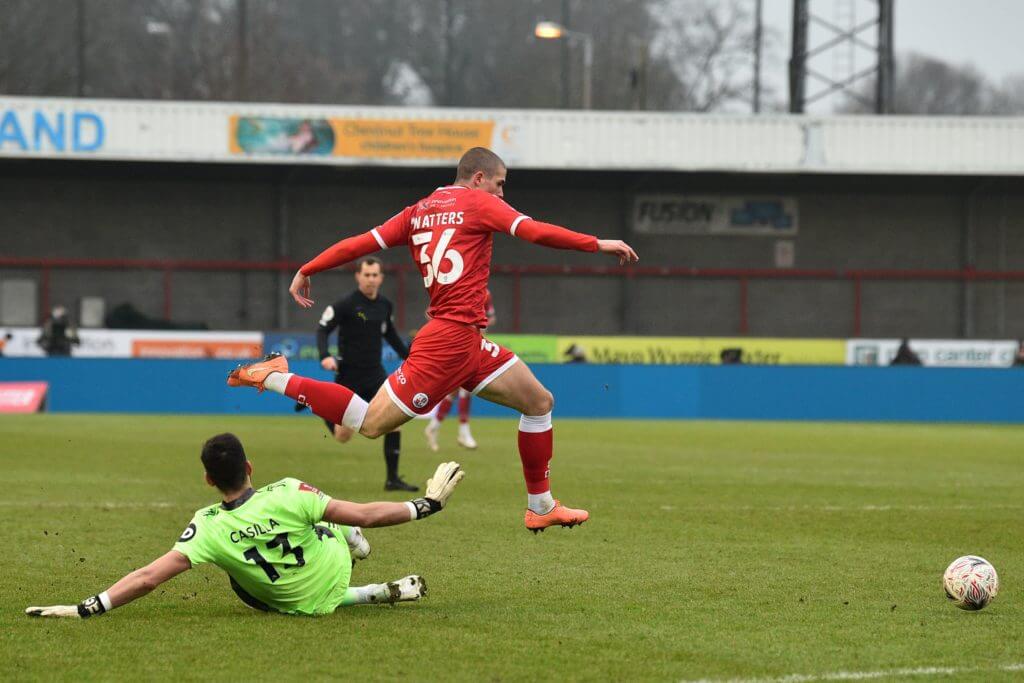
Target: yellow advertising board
{"type": "Point", "coordinates": [388, 138]}
{"type": "Point", "coordinates": [357, 138]}
{"type": "Point", "coordinates": [700, 350]}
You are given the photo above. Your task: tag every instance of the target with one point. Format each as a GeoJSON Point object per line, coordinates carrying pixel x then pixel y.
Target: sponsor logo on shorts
{"type": "Point", "coordinates": [188, 533]}
{"type": "Point", "coordinates": [420, 400]}
{"type": "Point", "coordinates": [399, 376]}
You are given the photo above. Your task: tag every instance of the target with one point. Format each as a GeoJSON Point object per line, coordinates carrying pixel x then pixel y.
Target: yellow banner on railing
{"type": "Point", "coordinates": [370, 138]}
{"type": "Point", "coordinates": [701, 350]}
{"type": "Point", "coordinates": [358, 138]}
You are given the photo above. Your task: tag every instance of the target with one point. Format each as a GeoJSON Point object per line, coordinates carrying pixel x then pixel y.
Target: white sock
{"type": "Point", "coordinates": [464, 429]}
{"type": "Point", "coordinates": [435, 424]}
{"type": "Point", "coordinates": [355, 413]}
{"type": "Point", "coordinates": [277, 381]}
{"type": "Point", "coordinates": [374, 593]}
{"type": "Point", "coordinates": [352, 534]}
{"type": "Point", "coordinates": [541, 503]}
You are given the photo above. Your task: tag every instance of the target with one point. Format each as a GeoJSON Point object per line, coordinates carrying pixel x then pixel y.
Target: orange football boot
{"type": "Point", "coordinates": [559, 515]}
{"type": "Point", "coordinates": [253, 374]}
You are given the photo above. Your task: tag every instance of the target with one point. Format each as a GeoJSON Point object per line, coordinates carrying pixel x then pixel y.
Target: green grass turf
{"type": "Point", "coordinates": [714, 550]}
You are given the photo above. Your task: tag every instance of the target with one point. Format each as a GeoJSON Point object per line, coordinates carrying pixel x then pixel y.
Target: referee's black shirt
{"type": "Point", "coordinates": [361, 324]}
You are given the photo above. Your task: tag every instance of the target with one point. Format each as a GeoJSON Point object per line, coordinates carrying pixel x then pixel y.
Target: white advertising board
{"type": "Point", "coordinates": [949, 353]}
{"type": "Point", "coordinates": [144, 344]}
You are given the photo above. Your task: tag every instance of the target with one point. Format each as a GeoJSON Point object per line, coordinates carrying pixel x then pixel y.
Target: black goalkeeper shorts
{"type": "Point", "coordinates": [365, 382]}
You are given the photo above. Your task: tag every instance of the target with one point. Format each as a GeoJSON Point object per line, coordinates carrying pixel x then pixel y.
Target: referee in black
{"type": "Point", "coordinates": [362, 319]}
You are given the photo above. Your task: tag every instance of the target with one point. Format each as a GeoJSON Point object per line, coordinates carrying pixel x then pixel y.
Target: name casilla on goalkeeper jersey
{"type": "Point", "coordinates": [273, 544]}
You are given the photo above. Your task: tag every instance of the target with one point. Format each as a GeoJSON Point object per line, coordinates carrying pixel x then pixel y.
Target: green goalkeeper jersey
{"type": "Point", "coordinates": [272, 543]}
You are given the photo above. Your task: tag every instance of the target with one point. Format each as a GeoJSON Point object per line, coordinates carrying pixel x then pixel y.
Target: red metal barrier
{"type": "Point", "coordinates": [742, 275]}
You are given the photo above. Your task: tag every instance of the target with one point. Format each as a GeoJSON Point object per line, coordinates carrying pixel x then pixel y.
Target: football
{"type": "Point", "coordinates": [970, 582]}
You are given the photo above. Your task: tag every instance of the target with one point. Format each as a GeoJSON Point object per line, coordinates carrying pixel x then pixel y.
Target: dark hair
{"type": "Point", "coordinates": [479, 159]}
{"type": "Point", "coordinates": [368, 261]}
{"type": "Point", "coordinates": [224, 460]}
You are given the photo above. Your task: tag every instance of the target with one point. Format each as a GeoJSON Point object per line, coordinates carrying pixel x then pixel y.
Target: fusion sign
{"type": "Point", "coordinates": [676, 214]}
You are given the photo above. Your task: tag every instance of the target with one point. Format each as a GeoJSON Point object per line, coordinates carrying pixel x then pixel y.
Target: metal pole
{"type": "Point", "coordinates": [283, 278]}
{"type": "Point", "coordinates": [883, 83]}
{"type": "Point", "coordinates": [80, 30]}
{"type": "Point", "coordinates": [566, 19]}
{"type": "Point", "coordinates": [798, 58]}
{"type": "Point", "coordinates": [967, 265]}
{"type": "Point", "coordinates": [641, 97]}
{"type": "Point", "coordinates": [588, 70]}
{"type": "Point", "coordinates": [757, 57]}
{"type": "Point", "coordinates": [1001, 264]}
{"type": "Point", "coordinates": [242, 86]}
{"type": "Point", "coordinates": [449, 68]}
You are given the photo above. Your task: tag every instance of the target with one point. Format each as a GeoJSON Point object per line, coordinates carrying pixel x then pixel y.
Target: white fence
{"type": "Point", "coordinates": [265, 133]}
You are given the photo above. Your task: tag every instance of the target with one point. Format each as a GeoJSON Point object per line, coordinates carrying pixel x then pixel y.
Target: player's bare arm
{"type": "Point", "coordinates": [131, 587]}
{"type": "Point", "coordinates": [439, 489]}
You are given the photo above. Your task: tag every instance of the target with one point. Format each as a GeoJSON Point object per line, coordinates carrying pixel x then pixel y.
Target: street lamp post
{"type": "Point", "coordinates": [550, 30]}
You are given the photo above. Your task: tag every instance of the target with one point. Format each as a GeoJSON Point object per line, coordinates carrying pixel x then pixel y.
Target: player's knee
{"type": "Point", "coordinates": [371, 430]}
{"type": "Point", "coordinates": [542, 403]}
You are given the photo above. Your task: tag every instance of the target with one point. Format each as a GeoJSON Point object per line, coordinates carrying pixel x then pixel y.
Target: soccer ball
{"type": "Point", "coordinates": [970, 582]}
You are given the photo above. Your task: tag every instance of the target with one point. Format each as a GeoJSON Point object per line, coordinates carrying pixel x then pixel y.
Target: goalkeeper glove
{"type": "Point", "coordinates": [97, 604]}
{"type": "Point", "coordinates": [439, 489]}
{"type": "Point", "coordinates": [70, 611]}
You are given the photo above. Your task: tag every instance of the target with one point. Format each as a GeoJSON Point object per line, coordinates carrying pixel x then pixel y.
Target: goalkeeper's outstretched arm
{"type": "Point", "coordinates": [134, 585]}
{"type": "Point", "coordinates": [439, 489]}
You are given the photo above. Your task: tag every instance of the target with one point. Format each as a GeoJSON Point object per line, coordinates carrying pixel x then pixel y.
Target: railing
{"type": "Point", "coordinates": [856, 277]}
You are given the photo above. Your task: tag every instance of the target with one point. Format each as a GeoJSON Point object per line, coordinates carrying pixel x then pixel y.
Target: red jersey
{"type": "Point", "coordinates": [450, 235]}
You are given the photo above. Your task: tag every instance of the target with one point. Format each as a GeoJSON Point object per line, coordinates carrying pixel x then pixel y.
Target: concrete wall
{"type": "Point", "coordinates": [190, 212]}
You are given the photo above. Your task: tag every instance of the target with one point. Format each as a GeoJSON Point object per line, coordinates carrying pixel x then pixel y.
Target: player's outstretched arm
{"type": "Point", "coordinates": [389, 234]}
{"type": "Point", "coordinates": [140, 582]}
{"type": "Point", "coordinates": [557, 237]}
{"type": "Point", "coordinates": [338, 254]}
{"type": "Point", "coordinates": [439, 489]}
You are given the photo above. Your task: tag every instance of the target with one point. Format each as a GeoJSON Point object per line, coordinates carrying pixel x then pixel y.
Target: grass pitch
{"type": "Point", "coordinates": [714, 550]}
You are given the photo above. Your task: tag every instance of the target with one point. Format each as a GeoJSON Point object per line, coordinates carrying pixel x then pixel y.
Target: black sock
{"type": "Point", "coordinates": [392, 447]}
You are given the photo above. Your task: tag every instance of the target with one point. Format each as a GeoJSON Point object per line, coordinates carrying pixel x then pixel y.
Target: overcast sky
{"type": "Point", "coordinates": [985, 33]}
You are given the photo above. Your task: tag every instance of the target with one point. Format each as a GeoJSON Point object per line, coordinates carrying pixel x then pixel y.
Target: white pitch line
{"type": "Point", "coordinates": [866, 675]}
{"type": "Point", "coordinates": [837, 508]}
{"type": "Point", "coordinates": [88, 504]}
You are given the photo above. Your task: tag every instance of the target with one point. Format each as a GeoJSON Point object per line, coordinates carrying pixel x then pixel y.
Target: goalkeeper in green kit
{"type": "Point", "coordinates": [286, 547]}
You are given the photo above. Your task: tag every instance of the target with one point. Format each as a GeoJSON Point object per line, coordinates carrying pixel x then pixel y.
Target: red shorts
{"type": "Point", "coordinates": [444, 357]}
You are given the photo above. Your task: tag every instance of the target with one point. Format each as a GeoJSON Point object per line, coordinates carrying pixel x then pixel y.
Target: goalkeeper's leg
{"type": "Point", "coordinates": [407, 589]}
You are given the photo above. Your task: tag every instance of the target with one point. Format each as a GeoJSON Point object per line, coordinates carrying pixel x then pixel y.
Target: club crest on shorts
{"type": "Point", "coordinates": [420, 400]}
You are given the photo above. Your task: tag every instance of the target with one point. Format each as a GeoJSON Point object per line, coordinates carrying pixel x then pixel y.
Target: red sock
{"type": "Point", "coordinates": [536, 445]}
{"type": "Point", "coordinates": [464, 401]}
{"type": "Point", "coordinates": [442, 409]}
{"type": "Point", "coordinates": [326, 399]}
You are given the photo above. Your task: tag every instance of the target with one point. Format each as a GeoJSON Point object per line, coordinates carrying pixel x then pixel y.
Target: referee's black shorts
{"type": "Point", "coordinates": [365, 382]}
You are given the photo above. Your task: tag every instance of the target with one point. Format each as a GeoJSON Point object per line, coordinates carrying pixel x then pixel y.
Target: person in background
{"type": "Point", "coordinates": [58, 336]}
{"type": "Point", "coordinates": [1018, 358]}
{"type": "Point", "coordinates": [363, 321]}
{"type": "Point", "coordinates": [905, 355]}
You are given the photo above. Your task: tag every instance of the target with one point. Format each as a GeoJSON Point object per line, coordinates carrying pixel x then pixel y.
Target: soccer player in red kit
{"type": "Point", "coordinates": [450, 235]}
